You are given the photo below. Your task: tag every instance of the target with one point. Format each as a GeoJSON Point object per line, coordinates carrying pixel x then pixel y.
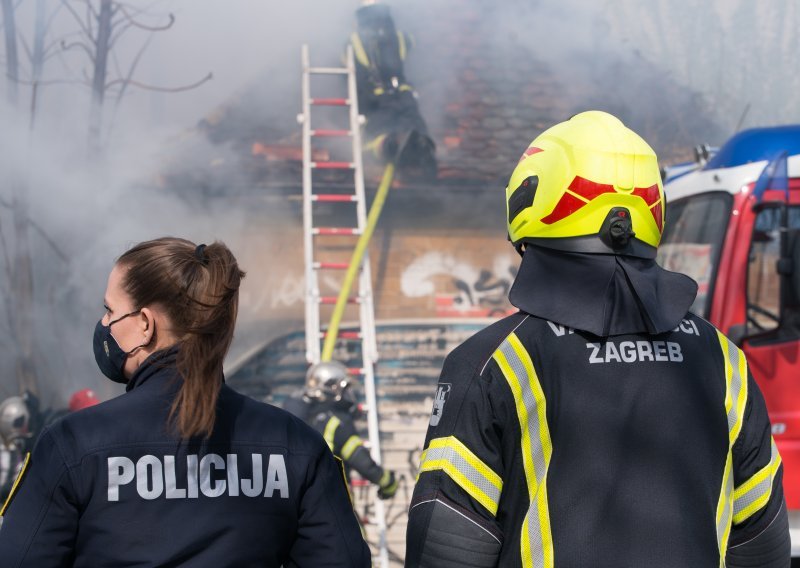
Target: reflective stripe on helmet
{"type": "Point", "coordinates": [452, 457]}
{"type": "Point", "coordinates": [330, 430]}
{"type": "Point", "coordinates": [752, 495]}
{"type": "Point", "coordinates": [536, 540]}
{"type": "Point", "coordinates": [735, 401]}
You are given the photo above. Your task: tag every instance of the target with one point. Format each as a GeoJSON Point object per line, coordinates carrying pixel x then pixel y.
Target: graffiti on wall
{"type": "Point", "coordinates": [461, 289]}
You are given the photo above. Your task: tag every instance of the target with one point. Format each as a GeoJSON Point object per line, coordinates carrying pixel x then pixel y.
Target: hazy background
{"type": "Point", "coordinates": [77, 207]}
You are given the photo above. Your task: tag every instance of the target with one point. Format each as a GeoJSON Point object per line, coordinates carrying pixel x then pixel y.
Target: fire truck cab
{"type": "Point", "coordinates": [733, 224]}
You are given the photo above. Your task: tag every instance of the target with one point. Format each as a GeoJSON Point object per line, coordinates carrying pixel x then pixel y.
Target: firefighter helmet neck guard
{"type": "Point", "coordinates": [590, 185]}
{"type": "Point", "coordinates": [326, 381]}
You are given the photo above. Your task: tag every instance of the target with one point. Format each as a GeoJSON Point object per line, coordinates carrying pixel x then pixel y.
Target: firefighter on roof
{"type": "Point", "coordinates": [604, 424]}
{"type": "Point", "coordinates": [387, 101]}
{"type": "Point", "coordinates": [327, 404]}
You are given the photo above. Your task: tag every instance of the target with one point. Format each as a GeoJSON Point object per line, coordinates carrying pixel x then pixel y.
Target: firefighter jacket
{"type": "Point", "coordinates": [336, 424]}
{"type": "Point", "coordinates": [111, 485]}
{"type": "Point", "coordinates": [551, 446]}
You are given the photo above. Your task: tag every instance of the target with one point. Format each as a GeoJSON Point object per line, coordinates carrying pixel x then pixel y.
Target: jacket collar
{"type": "Point", "coordinates": [603, 294]}
{"type": "Point", "coordinates": [153, 365]}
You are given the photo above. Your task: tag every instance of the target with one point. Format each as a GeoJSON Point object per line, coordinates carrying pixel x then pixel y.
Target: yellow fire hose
{"type": "Point", "coordinates": [355, 262]}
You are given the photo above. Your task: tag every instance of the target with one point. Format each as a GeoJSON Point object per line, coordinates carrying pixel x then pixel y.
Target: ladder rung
{"type": "Point", "coordinates": [331, 265]}
{"type": "Point", "coordinates": [323, 133]}
{"type": "Point", "coordinates": [335, 231]}
{"type": "Point", "coordinates": [344, 335]}
{"type": "Point", "coordinates": [333, 299]}
{"type": "Point", "coordinates": [333, 197]}
{"type": "Point", "coordinates": [333, 165]}
{"type": "Point", "coordinates": [330, 102]}
{"type": "Point", "coordinates": [328, 70]}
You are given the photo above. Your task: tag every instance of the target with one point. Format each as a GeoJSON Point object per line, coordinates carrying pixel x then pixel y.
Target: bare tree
{"type": "Point", "coordinates": [101, 27]}
{"type": "Point", "coordinates": [12, 58]}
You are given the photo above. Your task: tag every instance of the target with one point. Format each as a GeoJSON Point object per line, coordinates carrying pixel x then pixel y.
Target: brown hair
{"type": "Point", "coordinates": [198, 289]}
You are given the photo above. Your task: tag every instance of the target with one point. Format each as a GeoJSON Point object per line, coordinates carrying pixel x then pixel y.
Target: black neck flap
{"type": "Point", "coordinates": [603, 294]}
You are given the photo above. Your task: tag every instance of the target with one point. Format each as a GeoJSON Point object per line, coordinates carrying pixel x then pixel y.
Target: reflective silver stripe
{"type": "Point", "coordinates": [540, 551]}
{"type": "Point", "coordinates": [724, 522]}
{"type": "Point", "coordinates": [736, 386]}
{"type": "Point", "coordinates": [735, 396]}
{"type": "Point", "coordinates": [488, 483]}
{"type": "Point", "coordinates": [753, 495]}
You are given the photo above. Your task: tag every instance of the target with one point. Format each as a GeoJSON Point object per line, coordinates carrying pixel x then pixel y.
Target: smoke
{"type": "Point", "coordinates": [179, 163]}
{"type": "Point", "coordinates": [87, 207]}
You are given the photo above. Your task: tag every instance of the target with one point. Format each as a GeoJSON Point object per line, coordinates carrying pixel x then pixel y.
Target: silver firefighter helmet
{"type": "Point", "coordinates": [327, 380]}
{"type": "Point", "coordinates": [15, 420]}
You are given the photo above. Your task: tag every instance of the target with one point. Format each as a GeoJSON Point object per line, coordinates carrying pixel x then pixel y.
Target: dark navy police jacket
{"type": "Point", "coordinates": [112, 486]}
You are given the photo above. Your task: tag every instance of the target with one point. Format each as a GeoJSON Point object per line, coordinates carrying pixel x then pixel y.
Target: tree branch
{"type": "Point", "coordinates": [78, 18]}
{"type": "Point", "coordinates": [115, 61]}
{"type": "Point", "coordinates": [52, 17]}
{"type": "Point", "coordinates": [46, 83]}
{"type": "Point", "coordinates": [25, 47]}
{"type": "Point", "coordinates": [117, 33]}
{"type": "Point", "coordinates": [163, 89]}
{"type": "Point", "coordinates": [48, 240]}
{"type": "Point", "coordinates": [42, 233]}
{"type": "Point", "coordinates": [6, 259]}
{"type": "Point", "coordinates": [142, 26]}
{"type": "Point", "coordinates": [65, 46]}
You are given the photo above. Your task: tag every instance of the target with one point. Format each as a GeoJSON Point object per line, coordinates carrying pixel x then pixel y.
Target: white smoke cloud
{"type": "Point", "coordinates": [88, 210]}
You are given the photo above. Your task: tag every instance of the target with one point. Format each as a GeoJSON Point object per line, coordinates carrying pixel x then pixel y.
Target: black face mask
{"type": "Point", "coordinates": [109, 355]}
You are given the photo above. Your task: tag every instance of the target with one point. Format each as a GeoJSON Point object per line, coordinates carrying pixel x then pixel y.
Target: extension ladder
{"type": "Point", "coordinates": [313, 235]}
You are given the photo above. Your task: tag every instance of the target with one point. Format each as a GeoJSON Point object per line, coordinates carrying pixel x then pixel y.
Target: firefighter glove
{"type": "Point", "coordinates": [388, 485]}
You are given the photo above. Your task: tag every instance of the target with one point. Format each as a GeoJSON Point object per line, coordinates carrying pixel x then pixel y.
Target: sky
{"type": "Point", "coordinates": [88, 207]}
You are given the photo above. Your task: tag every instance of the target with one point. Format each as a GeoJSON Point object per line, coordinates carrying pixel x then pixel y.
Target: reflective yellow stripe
{"type": "Point", "coordinates": [330, 430]}
{"type": "Point", "coordinates": [536, 542]}
{"type": "Point", "coordinates": [401, 41]}
{"type": "Point", "coordinates": [350, 446]}
{"type": "Point", "coordinates": [17, 481]}
{"type": "Point", "coordinates": [752, 495]}
{"type": "Point", "coordinates": [452, 457]}
{"type": "Point", "coordinates": [735, 400]}
{"type": "Point", "coordinates": [358, 49]}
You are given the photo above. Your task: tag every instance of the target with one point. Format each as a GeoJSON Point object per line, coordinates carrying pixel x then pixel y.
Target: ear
{"type": "Point", "coordinates": [147, 320]}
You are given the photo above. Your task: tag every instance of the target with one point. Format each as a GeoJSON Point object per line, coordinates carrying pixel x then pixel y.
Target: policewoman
{"type": "Point", "coordinates": [604, 424]}
{"type": "Point", "coordinates": [180, 470]}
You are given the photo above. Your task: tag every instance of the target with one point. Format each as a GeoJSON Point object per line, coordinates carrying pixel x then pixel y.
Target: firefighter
{"type": "Point", "coordinates": [395, 130]}
{"type": "Point", "coordinates": [15, 436]}
{"type": "Point", "coordinates": [604, 424]}
{"type": "Point", "coordinates": [181, 469]}
{"type": "Point", "coordinates": [328, 405]}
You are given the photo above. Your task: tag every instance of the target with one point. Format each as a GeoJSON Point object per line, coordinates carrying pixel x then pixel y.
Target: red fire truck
{"type": "Point", "coordinates": [733, 224]}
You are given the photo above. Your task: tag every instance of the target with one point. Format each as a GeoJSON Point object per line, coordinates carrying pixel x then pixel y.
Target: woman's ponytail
{"type": "Point", "coordinates": [198, 287]}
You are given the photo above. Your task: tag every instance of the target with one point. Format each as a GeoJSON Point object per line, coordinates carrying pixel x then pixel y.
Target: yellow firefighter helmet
{"type": "Point", "coordinates": [589, 184]}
